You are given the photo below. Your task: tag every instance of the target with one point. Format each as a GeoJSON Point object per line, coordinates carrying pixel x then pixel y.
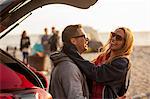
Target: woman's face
{"type": "Point", "coordinates": [117, 40]}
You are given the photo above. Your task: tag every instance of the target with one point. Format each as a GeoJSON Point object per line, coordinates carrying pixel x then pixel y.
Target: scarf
{"type": "Point", "coordinates": [84, 65]}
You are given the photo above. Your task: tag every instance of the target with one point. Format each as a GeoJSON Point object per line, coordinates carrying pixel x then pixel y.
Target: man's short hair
{"type": "Point", "coordinates": [70, 32]}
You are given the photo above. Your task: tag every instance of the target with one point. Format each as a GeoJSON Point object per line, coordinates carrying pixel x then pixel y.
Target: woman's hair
{"type": "Point", "coordinates": [23, 34]}
{"type": "Point", "coordinates": [127, 47]}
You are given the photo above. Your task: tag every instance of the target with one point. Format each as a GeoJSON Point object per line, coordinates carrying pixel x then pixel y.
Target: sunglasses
{"type": "Point", "coordinates": [79, 36]}
{"type": "Point", "coordinates": [118, 37]}
{"type": "Point", "coordinates": [82, 36]}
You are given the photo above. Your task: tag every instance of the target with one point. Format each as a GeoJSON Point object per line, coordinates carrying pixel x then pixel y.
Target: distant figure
{"type": "Point", "coordinates": [53, 30]}
{"type": "Point", "coordinates": [24, 46]}
{"type": "Point", "coordinates": [54, 40]}
{"type": "Point", "coordinates": [44, 41]}
{"type": "Point", "coordinates": [12, 49]}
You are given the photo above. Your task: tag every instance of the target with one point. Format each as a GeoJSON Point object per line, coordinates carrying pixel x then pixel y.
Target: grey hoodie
{"type": "Point", "coordinates": [67, 81]}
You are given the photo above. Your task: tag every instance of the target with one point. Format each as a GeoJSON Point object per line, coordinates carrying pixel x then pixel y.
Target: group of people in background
{"type": "Point", "coordinates": [49, 43]}
{"type": "Point", "coordinates": [73, 77]}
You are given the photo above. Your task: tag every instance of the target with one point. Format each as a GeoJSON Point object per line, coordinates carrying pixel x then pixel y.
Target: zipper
{"type": "Point", "coordinates": [103, 92]}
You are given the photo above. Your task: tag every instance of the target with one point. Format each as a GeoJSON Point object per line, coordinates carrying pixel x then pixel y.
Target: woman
{"type": "Point", "coordinates": [24, 46]}
{"type": "Point", "coordinates": [111, 69]}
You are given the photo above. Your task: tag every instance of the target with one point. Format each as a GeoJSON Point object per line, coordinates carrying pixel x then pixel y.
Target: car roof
{"type": "Point", "coordinates": [13, 10]}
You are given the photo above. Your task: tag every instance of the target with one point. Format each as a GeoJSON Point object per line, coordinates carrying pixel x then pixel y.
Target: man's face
{"type": "Point", "coordinates": [81, 42]}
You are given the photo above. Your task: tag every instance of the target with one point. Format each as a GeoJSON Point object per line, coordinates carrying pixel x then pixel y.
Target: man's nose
{"type": "Point", "coordinates": [87, 39]}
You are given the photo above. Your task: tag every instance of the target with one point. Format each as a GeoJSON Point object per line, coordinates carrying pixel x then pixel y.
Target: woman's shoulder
{"type": "Point", "coordinates": [120, 61]}
{"type": "Point", "coordinates": [121, 58]}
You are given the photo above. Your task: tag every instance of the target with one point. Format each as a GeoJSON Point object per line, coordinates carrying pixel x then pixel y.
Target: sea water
{"type": "Point", "coordinates": [141, 39]}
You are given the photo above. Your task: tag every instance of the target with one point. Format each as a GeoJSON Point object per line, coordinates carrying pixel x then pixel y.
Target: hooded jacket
{"type": "Point", "coordinates": [67, 81]}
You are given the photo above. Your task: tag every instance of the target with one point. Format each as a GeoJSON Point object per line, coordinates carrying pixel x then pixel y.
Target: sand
{"type": "Point", "coordinates": [140, 75]}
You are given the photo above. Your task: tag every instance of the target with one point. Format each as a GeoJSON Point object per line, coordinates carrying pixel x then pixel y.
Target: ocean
{"type": "Point", "coordinates": [141, 39]}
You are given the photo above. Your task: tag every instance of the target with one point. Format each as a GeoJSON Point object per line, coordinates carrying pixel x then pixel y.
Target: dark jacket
{"type": "Point", "coordinates": [24, 43]}
{"type": "Point", "coordinates": [111, 75]}
{"type": "Point", "coordinates": [53, 41]}
{"type": "Point", "coordinates": [67, 81]}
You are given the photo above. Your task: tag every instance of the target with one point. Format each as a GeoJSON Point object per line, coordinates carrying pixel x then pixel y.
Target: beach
{"type": "Point", "coordinates": [140, 70]}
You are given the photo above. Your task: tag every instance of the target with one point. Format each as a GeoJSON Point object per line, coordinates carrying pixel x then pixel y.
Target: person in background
{"type": "Point", "coordinates": [44, 41]}
{"type": "Point", "coordinates": [54, 40]}
{"type": "Point", "coordinates": [67, 81]}
{"type": "Point", "coordinates": [111, 70]}
{"type": "Point", "coordinates": [53, 30]}
{"type": "Point", "coordinates": [24, 46]}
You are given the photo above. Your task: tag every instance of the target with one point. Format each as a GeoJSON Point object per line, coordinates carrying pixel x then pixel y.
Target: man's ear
{"type": "Point", "coordinates": [73, 41]}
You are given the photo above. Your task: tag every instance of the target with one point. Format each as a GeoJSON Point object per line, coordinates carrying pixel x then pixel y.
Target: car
{"type": "Point", "coordinates": [18, 80]}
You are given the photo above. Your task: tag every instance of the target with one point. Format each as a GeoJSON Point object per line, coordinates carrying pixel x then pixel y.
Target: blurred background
{"type": "Point", "coordinates": [98, 21]}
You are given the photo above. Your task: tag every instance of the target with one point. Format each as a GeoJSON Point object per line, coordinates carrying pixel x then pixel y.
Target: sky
{"type": "Point", "coordinates": [104, 16]}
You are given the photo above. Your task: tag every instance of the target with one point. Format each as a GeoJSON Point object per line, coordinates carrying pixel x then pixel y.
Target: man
{"type": "Point", "coordinates": [44, 41]}
{"type": "Point", "coordinates": [67, 81]}
{"type": "Point", "coordinates": [54, 41]}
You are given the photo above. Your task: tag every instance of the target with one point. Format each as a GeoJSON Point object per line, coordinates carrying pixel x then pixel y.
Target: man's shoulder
{"type": "Point", "coordinates": [67, 64]}
{"type": "Point", "coordinates": [58, 55]}
{"type": "Point", "coordinates": [60, 58]}
{"type": "Point", "coordinates": [68, 69]}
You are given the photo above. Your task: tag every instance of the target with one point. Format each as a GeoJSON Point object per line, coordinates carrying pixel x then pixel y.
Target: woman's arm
{"type": "Point", "coordinates": [106, 72]}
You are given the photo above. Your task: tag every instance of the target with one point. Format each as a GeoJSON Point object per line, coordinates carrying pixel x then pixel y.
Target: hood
{"type": "Point", "coordinates": [58, 57]}
{"type": "Point", "coordinates": [13, 10]}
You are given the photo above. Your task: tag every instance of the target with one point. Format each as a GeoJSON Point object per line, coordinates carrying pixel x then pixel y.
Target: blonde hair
{"type": "Point", "coordinates": [126, 50]}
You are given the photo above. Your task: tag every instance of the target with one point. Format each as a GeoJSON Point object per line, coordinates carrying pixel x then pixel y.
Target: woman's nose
{"type": "Point", "coordinates": [113, 38]}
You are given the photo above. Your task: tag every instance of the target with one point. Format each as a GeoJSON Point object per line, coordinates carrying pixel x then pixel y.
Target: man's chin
{"type": "Point", "coordinates": [86, 48]}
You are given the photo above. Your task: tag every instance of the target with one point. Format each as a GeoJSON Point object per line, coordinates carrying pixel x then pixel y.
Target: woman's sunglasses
{"type": "Point", "coordinates": [118, 37]}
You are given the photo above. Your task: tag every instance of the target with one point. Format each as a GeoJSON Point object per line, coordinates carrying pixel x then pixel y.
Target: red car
{"type": "Point", "coordinates": [18, 81]}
